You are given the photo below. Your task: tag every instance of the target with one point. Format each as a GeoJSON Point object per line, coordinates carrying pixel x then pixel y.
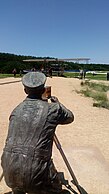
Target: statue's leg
{"type": "Point", "coordinates": [54, 183]}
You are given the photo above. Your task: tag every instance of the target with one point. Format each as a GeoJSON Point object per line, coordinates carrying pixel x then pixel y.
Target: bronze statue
{"type": "Point", "coordinates": [26, 159]}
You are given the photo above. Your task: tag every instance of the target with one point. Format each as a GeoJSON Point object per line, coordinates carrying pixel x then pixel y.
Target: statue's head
{"type": "Point", "coordinates": [34, 83]}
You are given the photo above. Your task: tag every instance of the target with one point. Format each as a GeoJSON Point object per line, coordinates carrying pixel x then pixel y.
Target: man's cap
{"type": "Point", "coordinates": [34, 80]}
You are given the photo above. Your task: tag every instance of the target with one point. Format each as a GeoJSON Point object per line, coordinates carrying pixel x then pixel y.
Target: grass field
{"type": "Point", "coordinates": [70, 75]}
{"type": "Point", "coordinates": [88, 76]}
{"type": "Point", "coordinates": [7, 75]}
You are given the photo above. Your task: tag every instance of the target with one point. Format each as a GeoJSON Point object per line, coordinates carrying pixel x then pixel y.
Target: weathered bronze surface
{"type": "Point", "coordinates": [26, 159]}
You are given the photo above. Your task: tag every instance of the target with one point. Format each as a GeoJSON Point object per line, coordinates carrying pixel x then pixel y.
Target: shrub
{"type": "Point", "coordinates": [97, 91]}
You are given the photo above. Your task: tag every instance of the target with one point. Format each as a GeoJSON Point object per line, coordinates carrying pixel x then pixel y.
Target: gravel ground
{"type": "Point", "coordinates": [85, 141]}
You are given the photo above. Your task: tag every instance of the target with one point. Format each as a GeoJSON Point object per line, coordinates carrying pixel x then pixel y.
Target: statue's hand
{"type": "Point", "coordinates": [54, 99]}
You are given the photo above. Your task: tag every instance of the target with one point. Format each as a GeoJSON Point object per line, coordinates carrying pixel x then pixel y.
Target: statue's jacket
{"type": "Point", "coordinates": [28, 148]}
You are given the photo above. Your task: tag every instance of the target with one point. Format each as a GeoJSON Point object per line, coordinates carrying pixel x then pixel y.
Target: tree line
{"type": "Point", "coordinates": [10, 61]}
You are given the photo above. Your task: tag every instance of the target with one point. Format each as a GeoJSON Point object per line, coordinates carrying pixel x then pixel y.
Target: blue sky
{"type": "Point", "coordinates": [56, 28]}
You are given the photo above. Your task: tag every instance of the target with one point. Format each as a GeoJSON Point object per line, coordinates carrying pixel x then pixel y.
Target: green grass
{"type": "Point", "coordinates": [95, 86]}
{"type": "Point", "coordinates": [103, 104]}
{"type": "Point", "coordinates": [98, 96]}
{"type": "Point", "coordinates": [96, 77]}
{"type": "Point", "coordinates": [88, 76]}
{"type": "Point", "coordinates": [8, 75]}
{"type": "Point", "coordinates": [97, 91]}
{"type": "Point", "coordinates": [71, 74]}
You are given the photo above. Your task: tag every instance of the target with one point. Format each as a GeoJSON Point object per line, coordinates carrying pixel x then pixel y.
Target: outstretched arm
{"type": "Point", "coordinates": [65, 115]}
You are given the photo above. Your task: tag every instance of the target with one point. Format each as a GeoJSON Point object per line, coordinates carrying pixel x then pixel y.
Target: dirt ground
{"type": "Point", "coordinates": [85, 142]}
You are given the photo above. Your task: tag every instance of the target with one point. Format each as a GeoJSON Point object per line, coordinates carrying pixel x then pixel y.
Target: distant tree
{"type": "Point", "coordinates": [10, 61]}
